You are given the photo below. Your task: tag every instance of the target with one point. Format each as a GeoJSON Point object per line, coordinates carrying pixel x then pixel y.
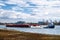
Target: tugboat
{"type": "Point", "coordinates": [50, 25]}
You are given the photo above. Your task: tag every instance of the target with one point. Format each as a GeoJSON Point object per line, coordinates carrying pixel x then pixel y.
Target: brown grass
{"type": "Point", "coordinates": [16, 35]}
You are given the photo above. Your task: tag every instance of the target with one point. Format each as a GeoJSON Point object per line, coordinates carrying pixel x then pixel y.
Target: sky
{"type": "Point", "coordinates": [29, 10]}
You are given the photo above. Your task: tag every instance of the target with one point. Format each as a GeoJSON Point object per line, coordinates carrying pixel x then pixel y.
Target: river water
{"type": "Point", "coordinates": [55, 31]}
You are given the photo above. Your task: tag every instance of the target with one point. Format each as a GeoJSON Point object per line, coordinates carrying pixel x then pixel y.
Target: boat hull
{"type": "Point", "coordinates": [18, 25]}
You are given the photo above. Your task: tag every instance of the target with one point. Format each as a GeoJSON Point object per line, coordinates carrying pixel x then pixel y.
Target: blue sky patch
{"type": "Point", "coordinates": [8, 6]}
{"type": "Point", "coordinates": [31, 4]}
{"type": "Point", "coordinates": [3, 0]}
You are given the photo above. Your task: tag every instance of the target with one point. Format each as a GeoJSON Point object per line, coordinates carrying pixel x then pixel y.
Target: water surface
{"type": "Point", "coordinates": [55, 31]}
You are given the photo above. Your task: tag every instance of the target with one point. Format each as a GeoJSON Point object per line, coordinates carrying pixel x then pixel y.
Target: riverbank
{"type": "Point", "coordinates": [17, 35]}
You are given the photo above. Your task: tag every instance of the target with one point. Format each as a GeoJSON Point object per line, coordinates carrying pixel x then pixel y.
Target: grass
{"type": "Point", "coordinates": [17, 35]}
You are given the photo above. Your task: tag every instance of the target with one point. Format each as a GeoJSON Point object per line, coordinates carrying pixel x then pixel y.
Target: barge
{"type": "Point", "coordinates": [18, 25]}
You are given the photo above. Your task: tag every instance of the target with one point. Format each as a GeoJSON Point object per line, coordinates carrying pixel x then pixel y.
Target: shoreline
{"type": "Point", "coordinates": [17, 35]}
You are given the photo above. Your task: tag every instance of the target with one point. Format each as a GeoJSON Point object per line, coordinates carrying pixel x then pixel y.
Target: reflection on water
{"type": "Point", "coordinates": [55, 31]}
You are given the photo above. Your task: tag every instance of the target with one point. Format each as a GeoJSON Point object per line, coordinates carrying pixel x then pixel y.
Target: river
{"type": "Point", "coordinates": [52, 31]}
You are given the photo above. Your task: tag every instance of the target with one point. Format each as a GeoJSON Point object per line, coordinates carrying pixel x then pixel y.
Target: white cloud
{"type": "Point", "coordinates": [13, 14]}
{"type": "Point", "coordinates": [20, 3]}
{"type": "Point", "coordinates": [44, 10]}
{"type": "Point", "coordinates": [1, 4]}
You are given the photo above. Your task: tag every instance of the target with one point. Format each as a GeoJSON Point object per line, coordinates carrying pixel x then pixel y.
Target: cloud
{"type": "Point", "coordinates": [1, 4]}
{"type": "Point", "coordinates": [30, 10]}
